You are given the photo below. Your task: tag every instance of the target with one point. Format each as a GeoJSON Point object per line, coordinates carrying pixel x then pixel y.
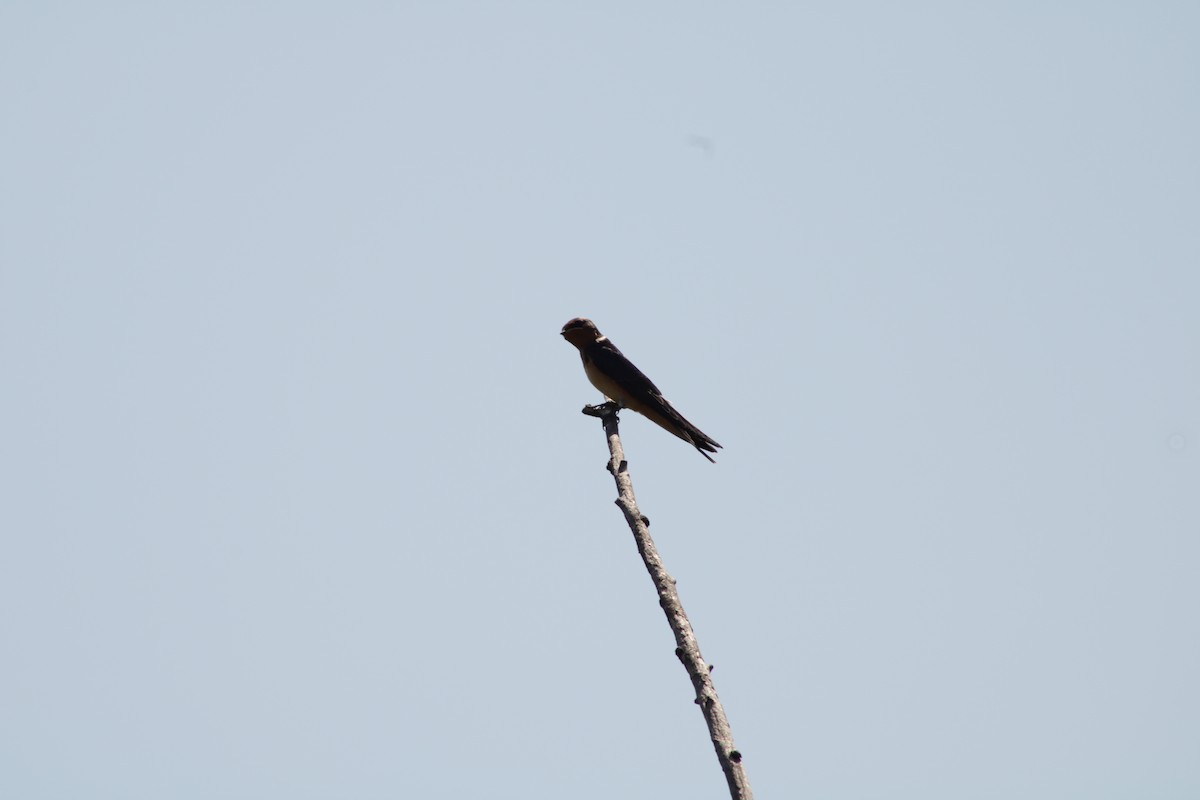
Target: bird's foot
{"type": "Point", "coordinates": [602, 410]}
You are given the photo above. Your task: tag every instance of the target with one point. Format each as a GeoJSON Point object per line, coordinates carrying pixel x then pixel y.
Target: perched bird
{"type": "Point", "coordinates": [620, 381]}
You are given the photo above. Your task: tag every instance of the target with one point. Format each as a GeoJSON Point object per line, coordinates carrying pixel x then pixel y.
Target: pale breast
{"type": "Point", "coordinates": [610, 388]}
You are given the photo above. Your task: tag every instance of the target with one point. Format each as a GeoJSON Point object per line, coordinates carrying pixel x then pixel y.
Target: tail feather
{"type": "Point", "coordinates": [679, 425]}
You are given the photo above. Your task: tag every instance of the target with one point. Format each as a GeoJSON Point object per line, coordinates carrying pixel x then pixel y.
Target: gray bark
{"type": "Point", "coordinates": [686, 647]}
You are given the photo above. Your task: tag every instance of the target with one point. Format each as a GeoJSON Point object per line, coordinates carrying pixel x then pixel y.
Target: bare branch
{"type": "Point", "coordinates": [687, 649]}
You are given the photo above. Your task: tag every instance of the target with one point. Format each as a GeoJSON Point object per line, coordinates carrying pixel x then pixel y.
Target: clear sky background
{"type": "Point", "coordinates": [296, 500]}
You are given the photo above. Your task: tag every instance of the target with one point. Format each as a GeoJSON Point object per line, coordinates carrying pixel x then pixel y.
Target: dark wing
{"type": "Point", "coordinates": [648, 400]}
{"type": "Point", "coordinates": [611, 361]}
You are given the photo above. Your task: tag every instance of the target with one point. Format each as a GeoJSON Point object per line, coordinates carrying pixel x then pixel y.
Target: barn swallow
{"type": "Point", "coordinates": [620, 381]}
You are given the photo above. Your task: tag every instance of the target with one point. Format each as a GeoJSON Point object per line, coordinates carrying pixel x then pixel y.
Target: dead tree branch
{"type": "Point", "coordinates": [687, 649]}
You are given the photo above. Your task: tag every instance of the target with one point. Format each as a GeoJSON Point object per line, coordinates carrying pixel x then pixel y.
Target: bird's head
{"type": "Point", "coordinates": [580, 332]}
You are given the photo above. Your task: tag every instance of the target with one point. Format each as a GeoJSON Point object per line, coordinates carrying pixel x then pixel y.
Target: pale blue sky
{"type": "Point", "coordinates": [295, 496]}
